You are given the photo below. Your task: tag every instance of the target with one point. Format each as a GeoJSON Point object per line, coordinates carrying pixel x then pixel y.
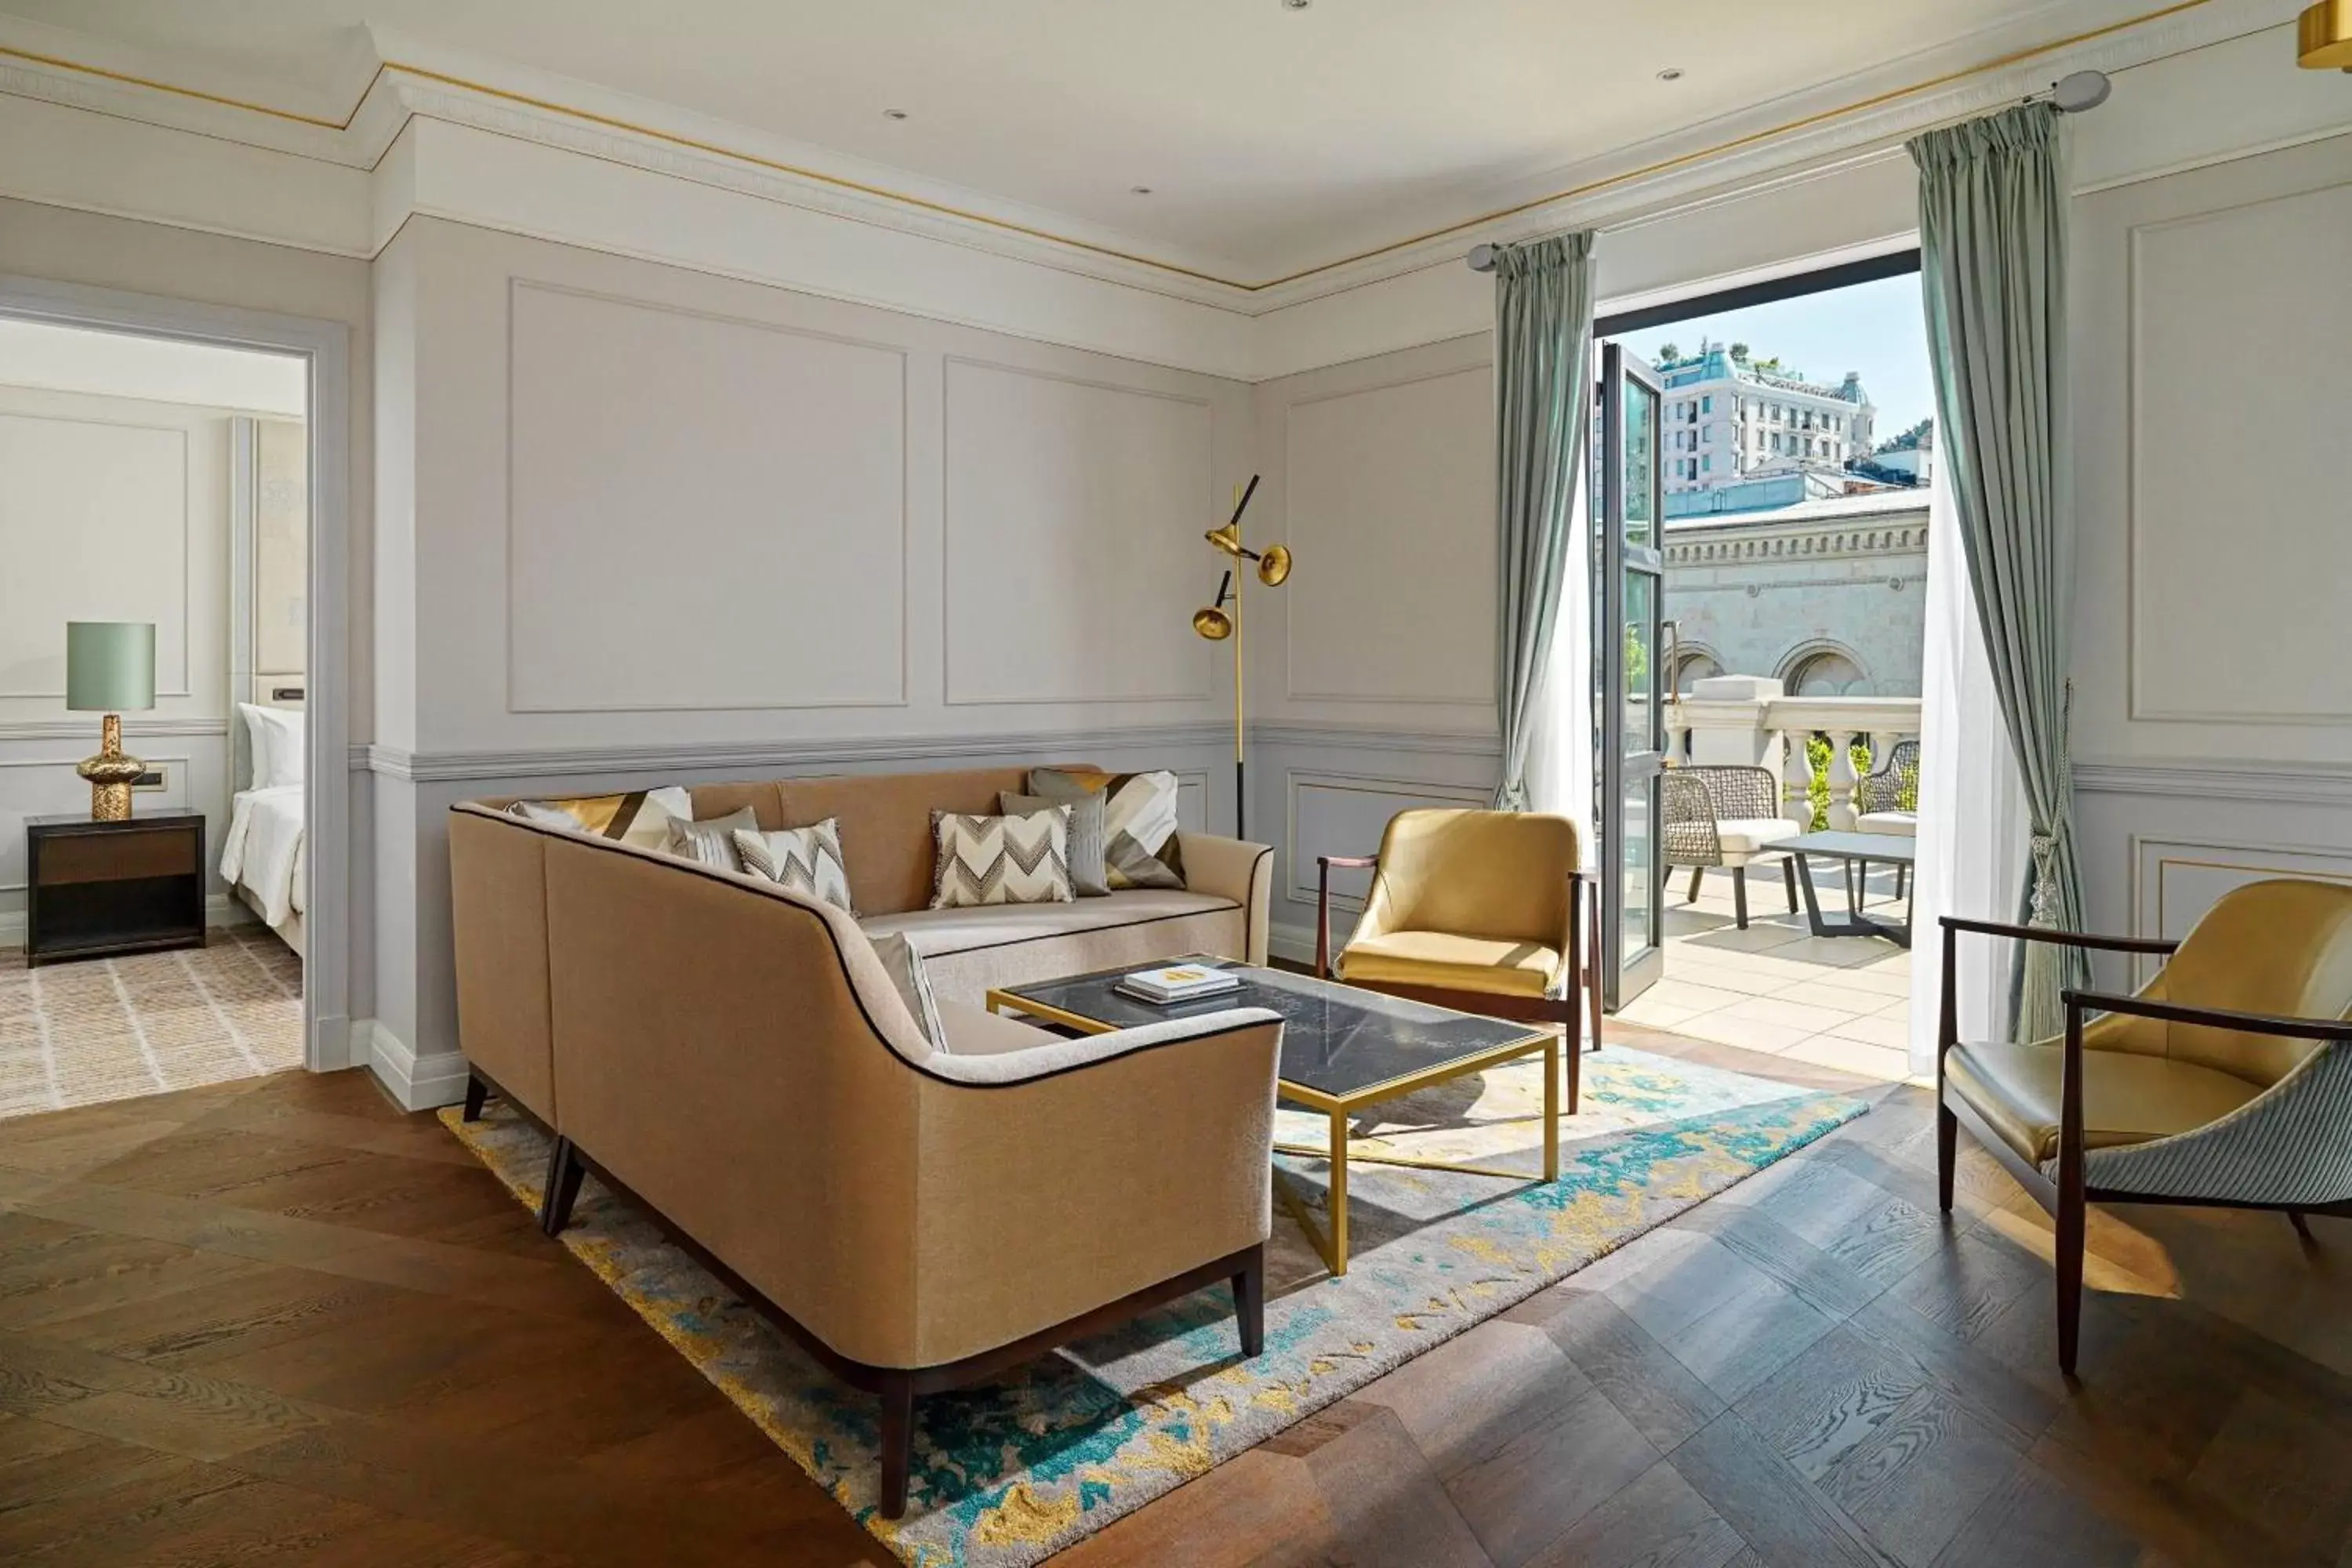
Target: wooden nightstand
{"type": "Point", "coordinates": [93, 889]}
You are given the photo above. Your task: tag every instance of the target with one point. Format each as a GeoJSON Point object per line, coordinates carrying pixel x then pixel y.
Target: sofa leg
{"type": "Point", "coordinates": [2302, 1227]}
{"type": "Point", "coordinates": [477, 1094]}
{"type": "Point", "coordinates": [564, 1172]}
{"type": "Point", "coordinates": [1249, 1303]}
{"type": "Point", "coordinates": [1740, 896]}
{"type": "Point", "coordinates": [1697, 873]}
{"type": "Point", "coordinates": [1789, 877]}
{"type": "Point", "coordinates": [1947, 1150]}
{"type": "Point", "coordinates": [897, 1440]}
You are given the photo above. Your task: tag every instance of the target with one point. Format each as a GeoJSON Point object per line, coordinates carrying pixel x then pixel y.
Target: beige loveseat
{"type": "Point", "coordinates": [732, 1058]}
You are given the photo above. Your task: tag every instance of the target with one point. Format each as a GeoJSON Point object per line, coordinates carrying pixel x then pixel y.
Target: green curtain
{"type": "Point", "coordinates": [1993, 234]}
{"type": "Point", "coordinates": [1543, 347]}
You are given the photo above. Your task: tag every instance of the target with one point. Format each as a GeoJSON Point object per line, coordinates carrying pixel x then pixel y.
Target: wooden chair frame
{"type": "Point", "coordinates": [1579, 1001]}
{"type": "Point", "coordinates": [2068, 1197]}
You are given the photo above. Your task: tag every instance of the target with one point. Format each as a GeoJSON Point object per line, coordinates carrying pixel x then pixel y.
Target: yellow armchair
{"type": "Point", "coordinates": [1480, 910]}
{"type": "Point", "coordinates": [2225, 1081]}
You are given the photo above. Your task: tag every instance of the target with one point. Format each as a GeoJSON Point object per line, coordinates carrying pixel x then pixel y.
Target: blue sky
{"type": "Point", "coordinates": [1873, 328]}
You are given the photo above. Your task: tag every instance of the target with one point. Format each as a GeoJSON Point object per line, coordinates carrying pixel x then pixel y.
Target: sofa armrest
{"type": "Point", "coordinates": [1083, 1171]}
{"type": "Point", "coordinates": [1238, 869]}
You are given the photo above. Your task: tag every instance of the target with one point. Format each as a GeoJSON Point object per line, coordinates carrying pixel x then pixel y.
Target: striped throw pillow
{"type": "Point", "coordinates": [805, 859]}
{"type": "Point", "coordinates": [641, 817]}
{"type": "Point", "coordinates": [1000, 860]}
{"type": "Point", "coordinates": [712, 843]}
{"type": "Point", "coordinates": [1140, 845]}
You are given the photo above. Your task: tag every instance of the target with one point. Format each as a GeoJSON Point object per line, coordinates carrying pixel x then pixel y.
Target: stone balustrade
{"type": "Point", "coordinates": [1749, 719]}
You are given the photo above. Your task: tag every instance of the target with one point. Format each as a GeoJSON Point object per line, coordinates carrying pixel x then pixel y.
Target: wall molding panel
{"type": "Point", "coordinates": [628, 466]}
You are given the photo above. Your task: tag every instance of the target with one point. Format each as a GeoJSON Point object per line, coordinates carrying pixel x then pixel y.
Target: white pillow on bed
{"type": "Point", "coordinates": [276, 741]}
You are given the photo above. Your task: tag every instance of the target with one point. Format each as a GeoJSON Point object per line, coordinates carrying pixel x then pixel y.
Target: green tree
{"type": "Point", "coordinates": [1670, 353]}
{"type": "Point", "coordinates": [1740, 352]}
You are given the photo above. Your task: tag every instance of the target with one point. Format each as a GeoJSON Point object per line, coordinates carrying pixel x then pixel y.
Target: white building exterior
{"type": "Point", "coordinates": [1724, 419]}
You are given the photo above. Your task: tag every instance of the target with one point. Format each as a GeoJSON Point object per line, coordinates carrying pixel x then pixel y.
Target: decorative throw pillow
{"type": "Point", "coordinates": [1000, 860]}
{"type": "Point", "coordinates": [712, 843]}
{"type": "Point", "coordinates": [904, 967]}
{"type": "Point", "coordinates": [805, 859]}
{"type": "Point", "coordinates": [641, 817]}
{"type": "Point", "coordinates": [1086, 836]}
{"type": "Point", "coordinates": [1139, 847]}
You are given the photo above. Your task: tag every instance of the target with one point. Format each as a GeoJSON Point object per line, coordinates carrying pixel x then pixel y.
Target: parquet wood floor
{"type": "Point", "coordinates": [278, 1322]}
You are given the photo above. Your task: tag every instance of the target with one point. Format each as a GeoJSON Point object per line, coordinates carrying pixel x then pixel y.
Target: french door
{"type": "Point", "coordinates": [1633, 678]}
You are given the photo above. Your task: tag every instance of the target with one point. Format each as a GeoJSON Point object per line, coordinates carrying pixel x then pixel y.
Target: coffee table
{"type": "Point", "coordinates": [1847, 848]}
{"type": "Point", "coordinates": [1342, 1049]}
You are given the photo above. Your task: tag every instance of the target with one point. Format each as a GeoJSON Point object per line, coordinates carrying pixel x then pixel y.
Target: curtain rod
{"type": "Point", "coordinates": [2077, 92]}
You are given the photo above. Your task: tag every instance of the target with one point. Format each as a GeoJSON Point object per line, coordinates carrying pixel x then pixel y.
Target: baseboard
{"type": "Point", "coordinates": [414, 1082]}
{"type": "Point", "coordinates": [335, 1036]}
{"type": "Point", "coordinates": [1295, 944]}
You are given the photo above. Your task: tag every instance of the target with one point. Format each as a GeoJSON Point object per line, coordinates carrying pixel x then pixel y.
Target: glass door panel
{"type": "Point", "coordinates": [1633, 739]}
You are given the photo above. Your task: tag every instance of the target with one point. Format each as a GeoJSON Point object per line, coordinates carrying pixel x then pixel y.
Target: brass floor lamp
{"type": "Point", "coordinates": [1216, 623]}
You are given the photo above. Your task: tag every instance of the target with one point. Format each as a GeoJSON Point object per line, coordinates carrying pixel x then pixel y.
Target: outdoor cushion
{"type": "Point", "coordinates": [1746, 835]}
{"type": "Point", "coordinates": [1905, 823]}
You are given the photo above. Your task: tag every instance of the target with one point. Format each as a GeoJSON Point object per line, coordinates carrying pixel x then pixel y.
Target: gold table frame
{"type": "Point", "coordinates": [1333, 1246]}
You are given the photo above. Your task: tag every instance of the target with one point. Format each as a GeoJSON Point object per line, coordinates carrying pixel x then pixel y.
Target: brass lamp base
{"type": "Point", "coordinates": [110, 774]}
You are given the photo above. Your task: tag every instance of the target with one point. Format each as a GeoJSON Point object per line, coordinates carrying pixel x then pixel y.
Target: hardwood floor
{"type": "Point", "coordinates": [280, 1321]}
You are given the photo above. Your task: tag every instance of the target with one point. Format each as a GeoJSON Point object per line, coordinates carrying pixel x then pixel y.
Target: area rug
{"type": "Point", "coordinates": [1008, 1473]}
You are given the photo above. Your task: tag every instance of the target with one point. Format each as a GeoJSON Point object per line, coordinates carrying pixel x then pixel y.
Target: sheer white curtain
{"type": "Point", "coordinates": [1559, 752]}
{"type": "Point", "coordinates": [1972, 856]}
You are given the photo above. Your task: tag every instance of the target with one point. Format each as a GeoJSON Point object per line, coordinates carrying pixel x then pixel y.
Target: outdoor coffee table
{"type": "Point", "coordinates": [1342, 1049]}
{"type": "Point", "coordinates": [1848, 849]}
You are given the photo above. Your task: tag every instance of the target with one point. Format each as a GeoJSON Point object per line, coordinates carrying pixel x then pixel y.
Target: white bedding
{"type": "Point", "coordinates": [266, 848]}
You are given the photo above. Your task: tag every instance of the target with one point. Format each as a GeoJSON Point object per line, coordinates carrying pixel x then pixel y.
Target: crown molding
{"type": "Point", "coordinates": [2270, 783]}
{"type": "Point", "coordinates": [1864, 115]}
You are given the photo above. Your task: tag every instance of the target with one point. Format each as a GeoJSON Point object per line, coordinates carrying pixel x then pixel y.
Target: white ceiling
{"type": "Point", "coordinates": [1272, 138]}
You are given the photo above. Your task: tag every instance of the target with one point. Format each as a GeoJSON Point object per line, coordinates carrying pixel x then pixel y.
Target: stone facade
{"type": "Point", "coordinates": [1827, 596]}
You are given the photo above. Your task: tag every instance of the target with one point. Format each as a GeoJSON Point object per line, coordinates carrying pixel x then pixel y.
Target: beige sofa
{"type": "Point", "coordinates": [732, 1058]}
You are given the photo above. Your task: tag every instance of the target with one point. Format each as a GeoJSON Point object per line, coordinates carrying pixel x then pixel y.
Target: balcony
{"type": "Point", "coordinates": [1841, 1002]}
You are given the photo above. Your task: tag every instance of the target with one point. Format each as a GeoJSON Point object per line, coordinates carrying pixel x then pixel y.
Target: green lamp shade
{"type": "Point", "coordinates": [110, 666]}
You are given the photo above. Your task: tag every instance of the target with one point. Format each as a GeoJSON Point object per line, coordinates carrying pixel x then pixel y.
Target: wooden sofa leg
{"type": "Point", "coordinates": [1947, 1141]}
{"type": "Point", "coordinates": [477, 1094]}
{"type": "Point", "coordinates": [1249, 1303]}
{"type": "Point", "coordinates": [564, 1172]}
{"type": "Point", "coordinates": [1697, 873]}
{"type": "Point", "coordinates": [897, 1440]}
{"type": "Point", "coordinates": [1740, 896]}
{"type": "Point", "coordinates": [2302, 1227]}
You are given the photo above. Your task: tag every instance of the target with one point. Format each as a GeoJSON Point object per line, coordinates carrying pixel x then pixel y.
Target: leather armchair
{"type": "Point", "coordinates": [1484, 911]}
{"type": "Point", "coordinates": [2226, 1081]}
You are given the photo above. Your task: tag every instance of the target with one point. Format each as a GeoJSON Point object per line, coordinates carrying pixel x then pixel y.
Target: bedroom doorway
{"type": "Point", "coordinates": [177, 490]}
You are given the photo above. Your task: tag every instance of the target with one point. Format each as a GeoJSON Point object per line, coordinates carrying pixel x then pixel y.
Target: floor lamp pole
{"type": "Point", "coordinates": [1218, 624]}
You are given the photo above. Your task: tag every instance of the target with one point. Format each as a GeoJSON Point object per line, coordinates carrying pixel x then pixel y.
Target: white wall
{"type": "Point", "coordinates": [1372, 669]}
{"type": "Point", "coordinates": [2214, 694]}
{"type": "Point", "coordinates": [641, 524]}
{"type": "Point", "coordinates": [113, 509]}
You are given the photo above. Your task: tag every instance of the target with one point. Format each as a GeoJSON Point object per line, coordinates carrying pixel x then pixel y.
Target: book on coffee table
{"type": "Point", "coordinates": [1177, 982]}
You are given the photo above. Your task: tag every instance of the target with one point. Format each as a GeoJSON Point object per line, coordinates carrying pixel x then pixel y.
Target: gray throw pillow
{"type": "Point", "coordinates": [712, 843]}
{"type": "Point", "coordinates": [1086, 875]}
{"type": "Point", "coordinates": [1140, 846]}
{"type": "Point", "coordinates": [904, 967]}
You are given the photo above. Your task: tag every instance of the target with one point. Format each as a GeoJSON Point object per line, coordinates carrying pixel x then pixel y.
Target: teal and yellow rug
{"type": "Point", "coordinates": [1008, 1473]}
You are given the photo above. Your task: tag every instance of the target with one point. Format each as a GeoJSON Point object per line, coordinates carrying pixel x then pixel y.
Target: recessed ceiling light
{"type": "Point", "coordinates": [1296, 4]}
{"type": "Point", "coordinates": [1140, 190]}
{"type": "Point", "coordinates": [1672, 73]}
{"type": "Point", "coordinates": [894, 114]}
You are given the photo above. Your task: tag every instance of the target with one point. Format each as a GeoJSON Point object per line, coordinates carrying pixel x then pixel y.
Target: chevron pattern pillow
{"type": "Point", "coordinates": [805, 859]}
{"type": "Point", "coordinates": [1140, 845]}
{"type": "Point", "coordinates": [1000, 860]}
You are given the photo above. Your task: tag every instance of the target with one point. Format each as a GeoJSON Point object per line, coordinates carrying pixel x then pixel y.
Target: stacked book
{"type": "Point", "coordinates": [1177, 982]}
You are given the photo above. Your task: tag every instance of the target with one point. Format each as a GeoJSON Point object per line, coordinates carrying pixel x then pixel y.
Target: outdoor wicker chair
{"type": "Point", "coordinates": [1725, 815]}
{"type": "Point", "coordinates": [1887, 801]}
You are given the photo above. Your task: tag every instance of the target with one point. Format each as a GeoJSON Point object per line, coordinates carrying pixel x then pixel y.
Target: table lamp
{"type": "Point", "coordinates": [110, 669]}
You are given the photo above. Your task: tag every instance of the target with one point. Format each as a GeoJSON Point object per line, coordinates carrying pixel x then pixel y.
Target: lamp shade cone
{"type": "Point", "coordinates": [1227, 539]}
{"type": "Point", "coordinates": [1274, 566]}
{"type": "Point", "coordinates": [1214, 624]}
{"type": "Point", "coordinates": [110, 666]}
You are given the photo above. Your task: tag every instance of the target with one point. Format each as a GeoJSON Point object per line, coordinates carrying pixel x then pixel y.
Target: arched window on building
{"type": "Point", "coordinates": [1695, 665]}
{"type": "Point", "coordinates": [1824, 672]}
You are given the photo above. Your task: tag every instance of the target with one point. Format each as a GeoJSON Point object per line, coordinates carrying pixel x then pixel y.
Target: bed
{"type": "Point", "coordinates": [265, 853]}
